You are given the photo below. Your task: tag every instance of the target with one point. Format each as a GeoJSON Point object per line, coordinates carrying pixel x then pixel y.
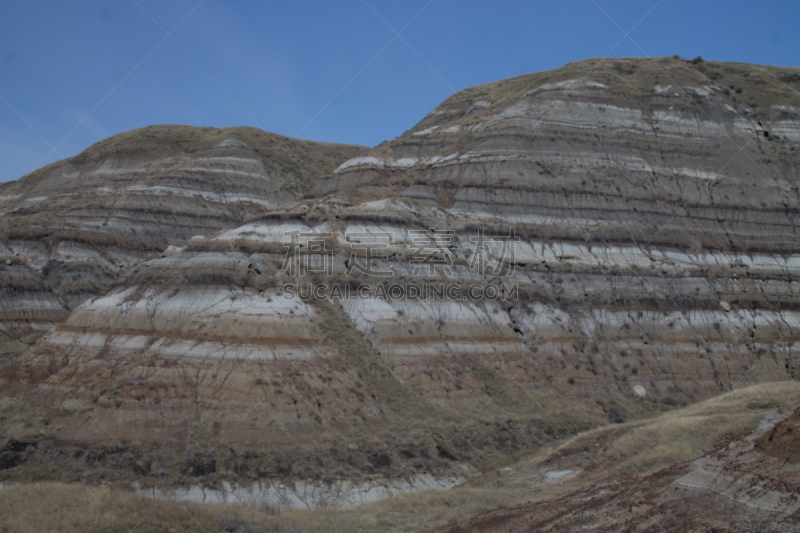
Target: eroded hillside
{"type": "Point", "coordinates": [75, 225]}
{"type": "Point", "coordinates": [537, 257]}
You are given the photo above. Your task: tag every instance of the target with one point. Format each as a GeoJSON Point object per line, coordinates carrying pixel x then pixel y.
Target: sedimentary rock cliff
{"type": "Point", "coordinates": [656, 205]}
{"type": "Point", "coordinates": [78, 223]}
{"type": "Point", "coordinates": [28, 306]}
{"type": "Point", "coordinates": [594, 243]}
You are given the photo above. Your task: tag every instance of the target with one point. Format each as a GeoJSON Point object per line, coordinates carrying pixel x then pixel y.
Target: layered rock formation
{"type": "Point", "coordinates": [80, 222]}
{"type": "Point", "coordinates": [537, 256]}
{"type": "Point", "coordinates": [656, 206]}
{"type": "Point", "coordinates": [28, 306]}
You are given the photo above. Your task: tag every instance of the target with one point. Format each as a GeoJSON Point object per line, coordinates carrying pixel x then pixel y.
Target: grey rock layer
{"type": "Point", "coordinates": [80, 222]}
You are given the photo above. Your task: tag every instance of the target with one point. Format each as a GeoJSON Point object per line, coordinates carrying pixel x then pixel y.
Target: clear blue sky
{"type": "Point", "coordinates": [74, 72]}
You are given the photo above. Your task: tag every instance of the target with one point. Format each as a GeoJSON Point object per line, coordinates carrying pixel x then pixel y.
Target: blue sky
{"type": "Point", "coordinates": [72, 73]}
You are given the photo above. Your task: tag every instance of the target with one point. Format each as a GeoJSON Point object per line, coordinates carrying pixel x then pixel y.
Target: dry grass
{"type": "Point", "coordinates": [60, 507]}
{"type": "Point", "coordinates": [306, 159]}
{"type": "Point", "coordinates": [69, 508]}
{"type": "Point", "coordinates": [631, 448]}
{"type": "Point", "coordinates": [758, 86]}
{"type": "Point", "coordinates": [644, 446]}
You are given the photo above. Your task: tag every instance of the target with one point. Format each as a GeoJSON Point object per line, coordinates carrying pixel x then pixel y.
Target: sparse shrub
{"type": "Point", "coordinates": [227, 523]}
{"type": "Point", "coordinates": [623, 68]}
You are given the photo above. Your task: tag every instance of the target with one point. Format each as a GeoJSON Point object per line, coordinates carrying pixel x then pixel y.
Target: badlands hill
{"type": "Point", "coordinates": [72, 227]}
{"type": "Point", "coordinates": [599, 244]}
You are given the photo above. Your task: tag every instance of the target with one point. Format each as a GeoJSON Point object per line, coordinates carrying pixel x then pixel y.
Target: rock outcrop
{"type": "Point", "coordinates": [655, 203]}
{"type": "Point", "coordinates": [537, 256]}
{"type": "Point", "coordinates": [80, 222]}
{"type": "Point", "coordinates": [28, 306]}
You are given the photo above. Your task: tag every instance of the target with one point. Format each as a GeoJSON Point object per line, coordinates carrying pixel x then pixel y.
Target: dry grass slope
{"type": "Point", "coordinates": [311, 157]}
{"type": "Point", "coordinates": [758, 86]}
{"type": "Point", "coordinates": [635, 447]}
